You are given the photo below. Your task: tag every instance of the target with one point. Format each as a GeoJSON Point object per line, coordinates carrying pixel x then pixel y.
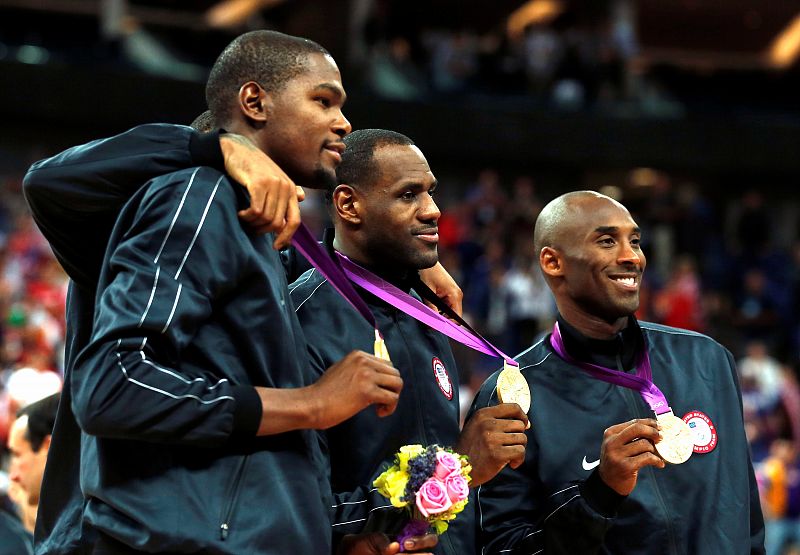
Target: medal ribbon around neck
{"type": "Point", "coordinates": [341, 271]}
{"type": "Point", "coordinates": [641, 381]}
{"type": "Point", "coordinates": [512, 387]}
{"type": "Point", "coordinates": [676, 444]}
{"type": "Point", "coordinates": [404, 302]}
{"type": "Point", "coordinates": [304, 242]}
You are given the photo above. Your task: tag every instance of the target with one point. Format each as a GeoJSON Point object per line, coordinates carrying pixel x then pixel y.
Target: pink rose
{"type": "Point", "coordinates": [432, 498]}
{"type": "Point", "coordinates": [457, 488]}
{"type": "Point", "coordinates": [446, 464]}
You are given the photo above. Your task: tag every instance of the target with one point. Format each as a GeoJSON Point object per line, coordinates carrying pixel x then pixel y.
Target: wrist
{"type": "Point", "coordinates": [284, 410]}
{"type": "Point", "coordinates": [206, 149]}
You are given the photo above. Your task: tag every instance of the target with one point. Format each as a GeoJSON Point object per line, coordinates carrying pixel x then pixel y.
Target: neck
{"type": "Point", "coordinates": [590, 325]}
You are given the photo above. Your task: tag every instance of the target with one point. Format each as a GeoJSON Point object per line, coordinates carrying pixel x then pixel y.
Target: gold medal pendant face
{"type": "Point", "coordinates": [512, 387]}
{"type": "Point", "coordinates": [677, 441]}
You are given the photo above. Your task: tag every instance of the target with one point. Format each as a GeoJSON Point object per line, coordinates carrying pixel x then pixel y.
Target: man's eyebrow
{"type": "Point", "coordinates": [417, 184]}
{"type": "Point", "coordinates": [603, 229]}
{"type": "Point", "coordinates": [334, 89]}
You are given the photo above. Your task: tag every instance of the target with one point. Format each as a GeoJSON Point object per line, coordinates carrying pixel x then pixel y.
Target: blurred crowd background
{"type": "Point", "coordinates": [686, 111]}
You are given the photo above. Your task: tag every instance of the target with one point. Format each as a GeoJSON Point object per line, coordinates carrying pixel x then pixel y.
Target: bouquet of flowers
{"type": "Point", "coordinates": [431, 482]}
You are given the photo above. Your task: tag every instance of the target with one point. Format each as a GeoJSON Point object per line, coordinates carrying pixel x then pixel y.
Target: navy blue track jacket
{"type": "Point", "coordinates": [71, 196]}
{"type": "Point", "coordinates": [557, 504]}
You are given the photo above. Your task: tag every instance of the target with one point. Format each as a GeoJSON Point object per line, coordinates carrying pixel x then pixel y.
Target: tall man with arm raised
{"type": "Point", "coordinates": [193, 392]}
{"type": "Point", "coordinates": [75, 196]}
{"type": "Point", "coordinates": [595, 478]}
{"type": "Point", "coordinates": [385, 219]}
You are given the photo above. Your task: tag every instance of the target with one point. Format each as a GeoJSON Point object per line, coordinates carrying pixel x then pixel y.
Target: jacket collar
{"type": "Point", "coordinates": [619, 352]}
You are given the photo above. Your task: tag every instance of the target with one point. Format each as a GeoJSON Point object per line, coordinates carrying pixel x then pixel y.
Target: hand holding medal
{"type": "Point", "coordinates": [677, 442]}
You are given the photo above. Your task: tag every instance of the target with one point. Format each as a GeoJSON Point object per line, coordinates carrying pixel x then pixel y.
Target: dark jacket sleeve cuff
{"type": "Point", "coordinates": [247, 414]}
{"type": "Point", "coordinates": [205, 150]}
{"type": "Point", "coordinates": [600, 497]}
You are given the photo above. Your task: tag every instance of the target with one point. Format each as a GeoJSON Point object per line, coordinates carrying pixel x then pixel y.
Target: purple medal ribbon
{"type": "Point", "coordinates": [304, 241]}
{"type": "Point", "coordinates": [404, 302]}
{"type": "Point", "coordinates": [340, 276]}
{"type": "Point", "coordinates": [642, 381]}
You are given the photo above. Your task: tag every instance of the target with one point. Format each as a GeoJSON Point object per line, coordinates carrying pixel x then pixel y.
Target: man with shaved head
{"type": "Point", "coordinates": [637, 441]}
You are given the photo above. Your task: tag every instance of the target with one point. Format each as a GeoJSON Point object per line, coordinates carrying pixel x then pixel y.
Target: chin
{"type": "Point", "coordinates": [322, 179]}
{"type": "Point", "coordinates": [629, 309]}
{"type": "Point", "coordinates": [425, 262]}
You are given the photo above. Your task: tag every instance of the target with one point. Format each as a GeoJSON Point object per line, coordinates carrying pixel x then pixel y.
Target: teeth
{"type": "Point", "coordinates": [626, 281]}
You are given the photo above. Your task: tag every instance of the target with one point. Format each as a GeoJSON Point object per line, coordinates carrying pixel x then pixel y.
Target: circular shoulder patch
{"type": "Point", "coordinates": [703, 430]}
{"type": "Point", "coordinates": [440, 373]}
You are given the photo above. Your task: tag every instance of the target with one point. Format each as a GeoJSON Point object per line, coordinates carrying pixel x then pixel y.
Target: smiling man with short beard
{"type": "Point", "coordinates": [594, 480]}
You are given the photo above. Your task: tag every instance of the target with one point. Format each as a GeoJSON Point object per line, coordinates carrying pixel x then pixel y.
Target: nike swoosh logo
{"type": "Point", "coordinates": [590, 465]}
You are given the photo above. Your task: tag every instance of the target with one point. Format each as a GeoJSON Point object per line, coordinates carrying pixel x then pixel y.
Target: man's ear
{"type": "Point", "coordinates": [347, 204]}
{"type": "Point", "coordinates": [550, 262]}
{"type": "Point", "coordinates": [255, 103]}
{"type": "Point", "coordinates": [46, 443]}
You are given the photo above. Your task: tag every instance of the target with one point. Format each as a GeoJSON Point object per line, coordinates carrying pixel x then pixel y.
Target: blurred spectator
{"type": "Point", "coordinates": [779, 484]}
{"type": "Point", "coordinates": [542, 50]}
{"type": "Point", "coordinates": [531, 307]}
{"type": "Point", "coordinates": [29, 443]}
{"type": "Point", "coordinates": [522, 210]}
{"type": "Point", "coordinates": [486, 198]}
{"type": "Point", "coordinates": [756, 310]}
{"type": "Point", "coordinates": [454, 59]}
{"type": "Point", "coordinates": [393, 74]}
{"type": "Point", "coordinates": [678, 304]}
{"type": "Point", "coordinates": [753, 224]}
{"type": "Point", "coordinates": [763, 370]}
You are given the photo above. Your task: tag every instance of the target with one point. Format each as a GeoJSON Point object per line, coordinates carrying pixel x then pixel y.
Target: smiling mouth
{"type": "Point", "coordinates": [627, 282]}
{"type": "Point", "coordinates": [428, 236]}
{"type": "Point", "coordinates": [333, 152]}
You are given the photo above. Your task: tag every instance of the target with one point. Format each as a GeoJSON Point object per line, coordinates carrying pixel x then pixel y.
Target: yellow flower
{"type": "Point", "coordinates": [440, 526]}
{"type": "Point", "coordinates": [466, 468]}
{"type": "Point", "coordinates": [408, 452]}
{"type": "Point", "coordinates": [458, 507]}
{"type": "Point", "coordinates": [392, 484]}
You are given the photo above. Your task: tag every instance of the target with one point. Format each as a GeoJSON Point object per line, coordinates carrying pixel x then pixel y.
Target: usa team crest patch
{"type": "Point", "coordinates": [703, 430]}
{"type": "Point", "coordinates": [440, 373]}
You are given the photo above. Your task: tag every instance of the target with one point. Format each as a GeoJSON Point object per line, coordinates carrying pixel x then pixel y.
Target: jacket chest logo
{"type": "Point", "coordinates": [705, 433]}
{"type": "Point", "coordinates": [442, 379]}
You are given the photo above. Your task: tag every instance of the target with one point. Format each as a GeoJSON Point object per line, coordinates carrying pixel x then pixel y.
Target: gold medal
{"type": "Point", "coordinates": [380, 347]}
{"type": "Point", "coordinates": [512, 387]}
{"type": "Point", "coordinates": [677, 441]}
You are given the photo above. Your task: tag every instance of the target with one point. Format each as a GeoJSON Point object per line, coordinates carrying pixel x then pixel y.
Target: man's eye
{"type": "Point", "coordinates": [408, 195]}
{"type": "Point", "coordinates": [324, 101]}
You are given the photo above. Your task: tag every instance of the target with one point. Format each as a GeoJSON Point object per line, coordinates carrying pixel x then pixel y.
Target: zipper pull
{"type": "Point", "coordinates": [223, 531]}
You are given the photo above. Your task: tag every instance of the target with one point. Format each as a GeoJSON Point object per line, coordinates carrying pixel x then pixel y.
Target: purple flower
{"type": "Point", "coordinates": [413, 528]}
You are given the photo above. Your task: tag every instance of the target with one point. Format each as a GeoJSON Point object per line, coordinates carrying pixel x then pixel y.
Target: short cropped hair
{"type": "Point", "coordinates": [358, 167]}
{"type": "Point", "coordinates": [269, 58]}
{"type": "Point", "coordinates": [41, 419]}
{"type": "Point", "coordinates": [204, 122]}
